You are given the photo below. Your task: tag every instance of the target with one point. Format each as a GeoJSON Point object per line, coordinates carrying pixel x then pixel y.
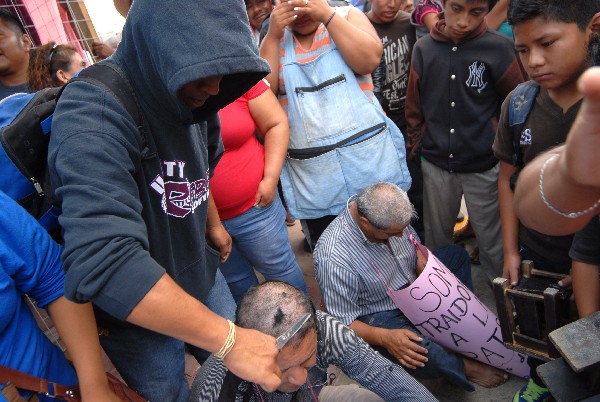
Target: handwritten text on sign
{"type": "Point", "coordinates": [445, 310]}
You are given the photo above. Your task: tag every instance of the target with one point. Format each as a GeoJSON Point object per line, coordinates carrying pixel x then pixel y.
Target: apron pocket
{"type": "Point", "coordinates": [375, 159]}
{"type": "Point", "coordinates": [325, 109]}
{"type": "Point", "coordinates": [317, 183]}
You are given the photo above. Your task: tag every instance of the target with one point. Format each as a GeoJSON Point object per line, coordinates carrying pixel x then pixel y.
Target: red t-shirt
{"type": "Point", "coordinates": [241, 168]}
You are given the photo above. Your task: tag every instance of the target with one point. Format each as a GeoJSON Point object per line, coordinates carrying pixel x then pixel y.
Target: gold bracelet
{"type": "Point", "coordinates": [229, 342]}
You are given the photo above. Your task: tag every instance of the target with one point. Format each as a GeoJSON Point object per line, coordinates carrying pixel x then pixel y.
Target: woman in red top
{"type": "Point", "coordinates": [244, 187]}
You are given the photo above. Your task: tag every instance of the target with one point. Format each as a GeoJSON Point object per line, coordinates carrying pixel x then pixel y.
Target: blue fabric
{"type": "Point", "coordinates": [12, 181]}
{"type": "Point", "coordinates": [260, 240]}
{"type": "Point", "coordinates": [441, 363]}
{"type": "Point", "coordinates": [150, 363]}
{"type": "Point", "coordinates": [221, 302]}
{"type": "Point", "coordinates": [154, 364]}
{"type": "Point", "coordinates": [506, 29]}
{"type": "Point", "coordinates": [129, 219]}
{"type": "Point", "coordinates": [325, 107]}
{"type": "Point", "coordinates": [29, 264]}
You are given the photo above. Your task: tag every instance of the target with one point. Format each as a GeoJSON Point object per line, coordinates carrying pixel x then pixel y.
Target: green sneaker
{"type": "Point", "coordinates": [531, 392]}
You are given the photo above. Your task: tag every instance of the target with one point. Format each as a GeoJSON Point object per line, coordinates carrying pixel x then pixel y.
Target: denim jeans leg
{"type": "Point", "coordinates": [457, 260]}
{"type": "Point", "coordinates": [219, 301]}
{"type": "Point", "coordinates": [238, 272]}
{"type": "Point", "coordinates": [441, 363]}
{"type": "Point", "coordinates": [150, 363]}
{"type": "Point", "coordinates": [261, 236]}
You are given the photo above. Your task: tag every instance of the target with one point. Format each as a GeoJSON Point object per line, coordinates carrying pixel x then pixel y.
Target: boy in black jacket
{"type": "Point", "coordinates": [460, 75]}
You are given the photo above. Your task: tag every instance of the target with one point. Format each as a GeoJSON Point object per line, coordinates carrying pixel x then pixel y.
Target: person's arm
{"type": "Point", "coordinates": [272, 123]}
{"type": "Point", "coordinates": [426, 13]}
{"type": "Point", "coordinates": [401, 343]}
{"type": "Point", "coordinates": [355, 37]}
{"type": "Point", "coordinates": [346, 350]}
{"type": "Point", "coordinates": [216, 232]}
{"type": "Point", "coordinates": [102, 50]}
{"type": "Point", "coordinates": [429, 20]}
{"type": "Point", "coordinates": [32, 261]}
{"type": "Point", "coordinates": [122, 6]}
{"type": "Point", "coordinates": [415, 120]}
{"type": "Point", "coordinates": [208, 381]}
{"type": "Point", "coordinates": [571, 180]}
{"type": "Point", "coordinates": [586, 287]}
{"type": "Point", "coordinates": [283, 14]}
{"type": "Point", "coordinates": [510, 224]}
{"type": "Point", "coordinates": [76, 326]}
{"type": "Point", "coordinates": [169, 310]}
{"type": "Point", "coordinates": [497, 15]}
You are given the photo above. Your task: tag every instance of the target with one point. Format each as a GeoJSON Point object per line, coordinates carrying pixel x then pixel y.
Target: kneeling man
{"type": "Point", "coordinates": [364, 252]}
{"type": "Point", "coordinates": [274, 308]}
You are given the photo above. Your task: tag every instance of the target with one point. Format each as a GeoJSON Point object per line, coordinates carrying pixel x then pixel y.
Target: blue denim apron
{"type": "Point", "coordinates": [340, 141]}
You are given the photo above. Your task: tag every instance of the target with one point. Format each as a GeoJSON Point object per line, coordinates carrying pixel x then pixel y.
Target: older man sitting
{"type": "Point", "coordinates": [364, 252]}
{"type": "Point", "coordinates": [273, 308]}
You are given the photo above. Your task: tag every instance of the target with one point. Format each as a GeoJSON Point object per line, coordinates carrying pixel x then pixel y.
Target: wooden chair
{"type": "Point", "coordinates": [529, 311]}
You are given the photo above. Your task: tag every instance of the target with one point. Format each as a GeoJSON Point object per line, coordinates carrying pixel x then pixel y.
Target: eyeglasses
{"type": "Point", "coordinates": [51, 53]}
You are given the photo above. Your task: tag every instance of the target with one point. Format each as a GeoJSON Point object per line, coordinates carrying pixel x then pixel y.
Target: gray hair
{"type": "Point", "coordinates": [385, 205]}
{"type": "Point", "coordinates": [273, 307]}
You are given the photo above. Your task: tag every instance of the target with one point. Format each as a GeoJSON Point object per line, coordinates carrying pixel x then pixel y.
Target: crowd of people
{"type": "Point", "coordinates": [369, 123]}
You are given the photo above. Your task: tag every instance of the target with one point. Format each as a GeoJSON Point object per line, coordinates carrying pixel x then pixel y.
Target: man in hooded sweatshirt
{"type": "Point", "coordinates": [136, 213]}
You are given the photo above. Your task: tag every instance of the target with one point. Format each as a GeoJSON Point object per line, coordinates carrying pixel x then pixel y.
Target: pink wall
{"type": "Point", "coordinates": [47, 21]}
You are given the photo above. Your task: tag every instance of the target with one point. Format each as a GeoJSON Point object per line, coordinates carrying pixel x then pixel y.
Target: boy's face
{"type": "Point", "coordinates": [463, 17]}
{"type": "Point", "coordinates": [258, 11]}
{"type": "Point", "coordinates": [553, 53]}
{"type": "Point", "coordinates": [384, 11]}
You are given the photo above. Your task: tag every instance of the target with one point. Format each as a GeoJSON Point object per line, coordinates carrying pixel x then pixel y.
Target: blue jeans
{"type": "Point", "coordinates": [441, 363]}
{"type": "Point", "coordinates": [260, 241]}
{"type": "Point", "coordinates": [151, 363]}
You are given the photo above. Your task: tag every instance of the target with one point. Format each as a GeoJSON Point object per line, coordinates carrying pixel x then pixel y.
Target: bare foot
{"type": "Point", "coordinates": [484, 375]}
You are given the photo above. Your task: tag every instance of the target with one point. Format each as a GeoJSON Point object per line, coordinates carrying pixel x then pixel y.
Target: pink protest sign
{"type": "Point", "coordinates": [445, 310]}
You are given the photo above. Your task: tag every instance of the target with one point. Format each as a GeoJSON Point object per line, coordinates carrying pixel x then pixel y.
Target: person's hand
{"type": "Point", "coordinates": [283, 15]}
{"type": "Point", "coordinates": [253, 358]}
{"type": "Point", "coordinates": [402, 344]}
{"type": "Point", "coordinates": [102, 50]}
{"type": "Point", "coordinates": [267, 188]}
{"type": "Point", "coordinates": [318, 10]}
{"type": "Point", "coordinates": [565, 282]}
{"type": "Point", "coordinates": [511, 268]}
{"type": "Point", "coordinates": [220, 239]}
{"type": "Point", "coordinates": [582, 164]}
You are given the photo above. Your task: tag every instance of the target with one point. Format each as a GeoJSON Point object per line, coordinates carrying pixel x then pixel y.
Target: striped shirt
{"type": "Point", "coordinates": [321, 44]}
{"type": "Point", "coordinates": [353, 273]}
{"type": "Point", "coordinates": [336, 344]}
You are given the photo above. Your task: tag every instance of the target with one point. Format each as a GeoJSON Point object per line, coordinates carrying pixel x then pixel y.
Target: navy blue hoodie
{"type": "Point", "coordinates": [128, 219]}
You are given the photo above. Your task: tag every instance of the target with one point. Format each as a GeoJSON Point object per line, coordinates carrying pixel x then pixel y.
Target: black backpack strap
{"type": "Point", "coordinates": [110, 77]}
{"type": "Point", "coordinates": [521, 103]}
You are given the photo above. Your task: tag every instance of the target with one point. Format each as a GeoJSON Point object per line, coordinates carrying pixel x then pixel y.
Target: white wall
{"type": "Point", "coordinates": [107, 21]}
